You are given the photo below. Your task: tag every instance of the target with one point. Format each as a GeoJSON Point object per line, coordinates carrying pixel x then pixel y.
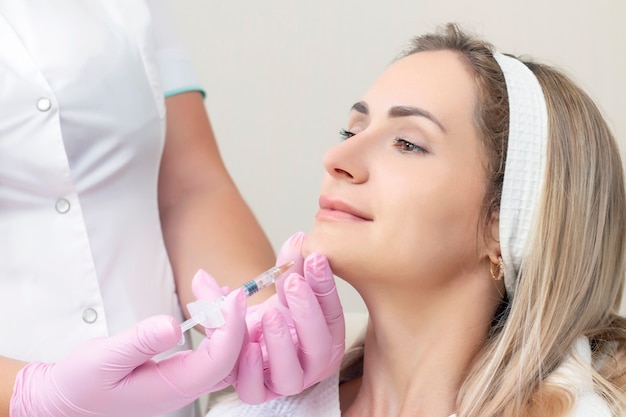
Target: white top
{"type": "Point", "coordinates": [81, 137]}
{"type": "Point", "coordinates": [322, 400]}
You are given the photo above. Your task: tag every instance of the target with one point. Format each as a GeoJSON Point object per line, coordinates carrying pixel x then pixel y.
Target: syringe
{"type": "Point", "coordinates": [209, 313]}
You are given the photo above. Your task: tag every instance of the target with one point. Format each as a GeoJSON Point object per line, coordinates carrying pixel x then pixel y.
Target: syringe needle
{"type": "Point", "coordinates": [209, 314]}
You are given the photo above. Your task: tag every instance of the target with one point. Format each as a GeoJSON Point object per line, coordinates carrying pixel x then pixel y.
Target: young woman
{"type": "Point", "coordinates": [477, 205]}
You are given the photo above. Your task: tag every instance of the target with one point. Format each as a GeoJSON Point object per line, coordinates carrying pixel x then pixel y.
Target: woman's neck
{"type": "Point", "coordinates": [418, 352]}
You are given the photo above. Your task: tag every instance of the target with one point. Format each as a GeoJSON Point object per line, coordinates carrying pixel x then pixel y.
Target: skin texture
{"type": "Point", "coordinates": [399, 220]}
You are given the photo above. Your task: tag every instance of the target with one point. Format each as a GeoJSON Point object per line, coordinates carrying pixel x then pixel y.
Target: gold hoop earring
{"type": "Point", "coordinates": [497, 270]}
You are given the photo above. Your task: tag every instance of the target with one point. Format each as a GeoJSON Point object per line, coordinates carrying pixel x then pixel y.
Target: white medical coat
{"type": "Point", "coordinates": [82, 128]}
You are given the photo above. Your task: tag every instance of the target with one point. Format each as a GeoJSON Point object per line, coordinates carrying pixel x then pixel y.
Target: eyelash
{"type": "Point", "coordinates": [403, 144]}
{"type": "Point", "coordinates": [406, 146]}
{"type": "Point", "coordinates": [345, 134]}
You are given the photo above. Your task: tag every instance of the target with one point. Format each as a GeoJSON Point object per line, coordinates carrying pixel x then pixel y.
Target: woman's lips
{"type": "Point", "coordinates": [333, 209]}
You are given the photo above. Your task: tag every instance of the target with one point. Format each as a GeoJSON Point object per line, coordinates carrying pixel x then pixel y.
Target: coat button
{"type": "Point", "coordinates": [44, 104]}
{"type": "Point", "coordinates": [62, 205]}
{"type": "Point", "coordinates": [90, 315]}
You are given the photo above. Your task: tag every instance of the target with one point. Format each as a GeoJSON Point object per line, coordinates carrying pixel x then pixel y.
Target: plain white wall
{"type": "Point", "coordinates": [281, 75]}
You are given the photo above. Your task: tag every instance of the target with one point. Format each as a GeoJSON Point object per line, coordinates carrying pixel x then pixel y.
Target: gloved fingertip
{"type": "Point", "coordinates": [294, 283]}
{"type": "Point", "coordinates": [158, 334]}
{"type": "Point", "coordinates": [200, 275]}
{"type": "Point", "coordinates": [294, 241]}
{"type": "Point", "coordinates": [203, 285]}
{"type": "Point", "coordinates": [317, 264]}
{"type": "Point", "coordinates": [271, 315]}
{"type": "Point", "coordinates": [291, 250]}
{"type": "Point", "coordinates": [318, 274]}
{"type": "Point", "coordinates": [240, 296]}
{"type": "Point", "coordinates": [273, 322]}
{"type": "Point", "coordinates": [298, 293]}
{"type": "Point", "coordinates": [235, 302]}
{"type": "Point", "coordinates": [162, 324]}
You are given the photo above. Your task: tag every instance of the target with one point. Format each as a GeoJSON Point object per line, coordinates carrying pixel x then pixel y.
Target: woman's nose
{"type": "Point", "coordinates": [346, 161]}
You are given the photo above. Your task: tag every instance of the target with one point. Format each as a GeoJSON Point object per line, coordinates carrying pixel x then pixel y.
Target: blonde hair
{"type": "Point", "coordinates": [571, 278]}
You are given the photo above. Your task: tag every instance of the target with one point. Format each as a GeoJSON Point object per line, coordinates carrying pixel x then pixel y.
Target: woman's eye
{"type": "Point", "coordinates": [345, 134]}
{"type": "Point", "coordinates": [406, 146]}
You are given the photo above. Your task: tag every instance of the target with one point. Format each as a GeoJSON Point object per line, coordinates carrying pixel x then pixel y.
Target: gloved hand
{"type": "Point", "coordinates": [296, 337]}
{"type": "Point", "coordinates": [116, 376]}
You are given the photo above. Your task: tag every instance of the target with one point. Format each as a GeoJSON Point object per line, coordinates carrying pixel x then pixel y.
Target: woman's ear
{"type": "Point", "coordinates": [493, 237]}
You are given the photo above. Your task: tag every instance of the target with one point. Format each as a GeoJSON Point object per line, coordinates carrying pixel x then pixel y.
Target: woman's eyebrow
{"type": "Point", "coordinates": [404, 111]}
{"type": "Point", "coordinates": [400, 111]}
{"type": "Point", "coordinates": [361, 107]}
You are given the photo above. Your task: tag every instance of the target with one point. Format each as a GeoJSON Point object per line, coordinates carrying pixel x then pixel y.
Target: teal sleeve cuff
{"type": "Point", "coordinates": [181, 90]}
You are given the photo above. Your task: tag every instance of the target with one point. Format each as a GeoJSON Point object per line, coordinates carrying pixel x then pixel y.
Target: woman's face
{"type": "Point", "coordinates": [403, 192]}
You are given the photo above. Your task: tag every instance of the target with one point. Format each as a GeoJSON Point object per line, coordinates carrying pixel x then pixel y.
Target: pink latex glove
{"type": "Point", "coordinates": [116, 376]}
{"type": "Point", "coordinates": [296, 337]}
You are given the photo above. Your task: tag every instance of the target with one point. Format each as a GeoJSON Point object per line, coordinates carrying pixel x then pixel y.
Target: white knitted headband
{"type": "Point", "coordinates": [525, 163]}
